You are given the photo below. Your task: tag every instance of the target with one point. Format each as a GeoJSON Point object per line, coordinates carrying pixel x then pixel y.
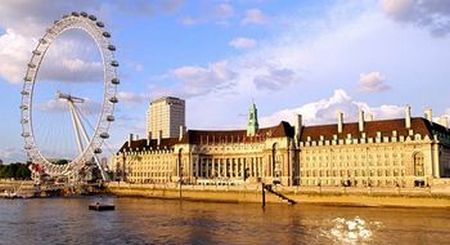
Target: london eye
{"type": "Point", "coordinates": [88, 129]}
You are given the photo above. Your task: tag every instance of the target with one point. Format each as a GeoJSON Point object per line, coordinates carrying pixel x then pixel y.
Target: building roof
{"type": "Point", "coordinates": [284, 129]}
{"type": "Point", "coordinates": [143, 145]}
{"type": "Point", "coordinates": [166, 98]}
{"type": "Point", "coordinates": [386, 127]}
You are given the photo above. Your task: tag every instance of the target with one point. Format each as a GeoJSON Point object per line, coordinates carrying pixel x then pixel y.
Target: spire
{"type": "Point", "coordinates": [253, 125]}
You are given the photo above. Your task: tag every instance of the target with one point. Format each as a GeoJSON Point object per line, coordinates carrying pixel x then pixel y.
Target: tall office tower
{"type": "Point", "coordinates": [166, 115]}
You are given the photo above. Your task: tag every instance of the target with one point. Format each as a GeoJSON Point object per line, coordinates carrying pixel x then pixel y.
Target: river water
{"type": "Point", "coordinates": [150, 221]}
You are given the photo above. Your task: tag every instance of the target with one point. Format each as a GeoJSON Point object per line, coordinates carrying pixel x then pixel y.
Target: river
{"type": "Point", "coordinates": [152, 221]}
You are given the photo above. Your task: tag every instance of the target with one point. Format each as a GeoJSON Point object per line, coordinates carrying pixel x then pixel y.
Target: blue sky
{"type": "Point", "coordinates": [311, 57]}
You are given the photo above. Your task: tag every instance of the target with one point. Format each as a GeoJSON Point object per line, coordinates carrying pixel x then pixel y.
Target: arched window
{"type": "Point", "coordinates": [419, 164]}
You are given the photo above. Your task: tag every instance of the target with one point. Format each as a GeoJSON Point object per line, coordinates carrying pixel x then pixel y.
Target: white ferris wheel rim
{"type": "Point", "coordinates": [97, 31]}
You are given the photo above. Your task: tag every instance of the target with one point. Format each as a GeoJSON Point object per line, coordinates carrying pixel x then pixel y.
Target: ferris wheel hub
{"type": "Point", "coordinates": [69, 97]}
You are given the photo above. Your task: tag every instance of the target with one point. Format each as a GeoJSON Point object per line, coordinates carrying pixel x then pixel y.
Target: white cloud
{"type": "Point", "coordinates": [12, 154]}
{"type": "Point", "coordinates": [224, 10]}
{"type": "Point", "coordinates": [254, 16]}
{"type": "Point", "coordinates": [276, 79]}
{"type": "Point", "coordinates": [197, 80]}
{"type": "Point", "coordinates": [190, 21]}
{"type": "Point", "coordinates": [242, 43]}
{"type": "Point", "coordinates": [131, 97]}
{"type": "Point", "coordinates": [15, 50]}
{"type": "Point", "coordinates": [432, 14]}
{"type": "Point", "coordinates": [324, 111]}
{"type": "Point", "coordinates": [372, 82]}
{"type": "Point", "coordinates": [219, 14]}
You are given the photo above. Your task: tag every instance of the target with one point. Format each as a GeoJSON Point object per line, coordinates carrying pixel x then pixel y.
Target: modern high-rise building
{"type": "Point", "coordinates": [165, 115]}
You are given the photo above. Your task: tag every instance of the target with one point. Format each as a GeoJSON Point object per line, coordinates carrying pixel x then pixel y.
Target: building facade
{"type": "Point", "coordinates": [402, 152]}
{"type": "Point", "coordinates": [165, 115]}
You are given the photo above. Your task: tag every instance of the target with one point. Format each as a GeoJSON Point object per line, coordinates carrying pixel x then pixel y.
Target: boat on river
{"type": "Point", "coordinates": [101, 207]}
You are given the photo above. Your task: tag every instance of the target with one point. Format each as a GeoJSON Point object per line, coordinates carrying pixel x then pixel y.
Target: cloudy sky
{"type": "Point", "coordinates": [311, 57]}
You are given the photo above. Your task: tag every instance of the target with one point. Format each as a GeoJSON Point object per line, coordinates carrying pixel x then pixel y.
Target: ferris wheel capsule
{"type": "Point", "coordinates": [115, 81]}
{"type": "Point", "coordinates": [100, 24]}
{"type": "Point", "coordinates": [113, 100]}
{"type": "Point", "coordinates": [110, 118]}
{"type": "Point", "coordinates": [104, 135]}
{"type": "Point", "coordinates": [114, 63]}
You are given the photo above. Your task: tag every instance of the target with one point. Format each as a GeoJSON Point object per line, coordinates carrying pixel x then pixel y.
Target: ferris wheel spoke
{"type": "Point", "coordinates": [76, 128]}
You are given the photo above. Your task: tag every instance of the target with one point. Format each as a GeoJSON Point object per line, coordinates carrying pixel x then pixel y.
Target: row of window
{"type": "Point", "coordinates": [378, 163]}
{"type": "Point", "coordinates": [357, 183]}
{"type": "Point", "coordinates": [353, 173]}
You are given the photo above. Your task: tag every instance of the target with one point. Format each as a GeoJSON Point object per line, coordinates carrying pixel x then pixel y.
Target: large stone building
{"type": "Point", "coordinates": [165, 116]}
{"type": "Point", "coordinates": [402, 152]}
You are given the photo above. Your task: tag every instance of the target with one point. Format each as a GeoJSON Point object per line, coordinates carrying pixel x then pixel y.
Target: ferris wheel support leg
{"type": "Point", "coordinates": [76, 128]}
{"type": "Point", "coordinates": [86, 138]}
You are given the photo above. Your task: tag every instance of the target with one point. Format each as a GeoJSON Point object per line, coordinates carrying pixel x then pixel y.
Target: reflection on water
{"type": "Point", "coordinates": [351, 231]}
{"type": "Point", "coordinates": [145, 221]}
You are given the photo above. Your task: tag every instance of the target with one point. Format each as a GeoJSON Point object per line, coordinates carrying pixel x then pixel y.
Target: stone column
{"type": "Point", "coordinates": [242, 160]}
{"type": "Point", "coordinates": [207, 167]}
{"type": "Point", "coordinates": [200, 167]}
{"type": "Point", "coordinates": [436, 165]}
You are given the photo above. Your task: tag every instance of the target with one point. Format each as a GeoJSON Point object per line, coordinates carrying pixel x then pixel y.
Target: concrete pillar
{"type": "Point", "coordinates": [298, 127]}
{"type": "Point", "coordinates": [197, 168]}
{"type": "Point", "coordinates": [241, 160]}
{"type": "Point", "coordinates": [408, 117]}
{"type": "Point", "coordinates": [436, 165]}
{"type": "Point", "coordinates": [182, 131]}
{"type": "Point", "coordinates": [208, 168]}
{"type": "Point", "coordinates": [130, 140]}
{"type": "Point", "coordinates": [159, 137]}
{"type": "Point", "coordinates": [340, 119]}
{"type": "Point", "coordinates": [361, 121]}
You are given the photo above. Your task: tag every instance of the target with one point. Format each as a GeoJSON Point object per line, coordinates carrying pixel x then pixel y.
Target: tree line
{"type": "Point", "coordinates": [18, 171]}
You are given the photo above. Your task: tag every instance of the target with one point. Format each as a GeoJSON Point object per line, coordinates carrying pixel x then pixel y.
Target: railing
{"type": "Point", "coordinates": [283, 198]}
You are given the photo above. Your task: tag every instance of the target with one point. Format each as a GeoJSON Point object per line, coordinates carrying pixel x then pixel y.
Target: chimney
{"type": "Point", "coordinates": [298, 127]}
{"type": "Point", "coordinates": [361, 120]}
{"type": "Point", "coordinates": [159, 137]}
{"type": "Point", "coordinates": [149, 138]}
{"type": "Point", "coordinates": [130, 140]}
{"type": "Point", "coordinates": [429, 114]}
{"type": "Point", "coordinates": [340, 118]}
{"type": "Point", "coordinates": [182, 131]}
{"type": "Point", "coordinates": [408, 116]}
{"type": "Point", "coordinates": [371, 117]}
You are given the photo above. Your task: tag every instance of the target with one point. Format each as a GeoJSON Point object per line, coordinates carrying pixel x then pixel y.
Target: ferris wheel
{"type": "Point", "coordinates": [89, 144]}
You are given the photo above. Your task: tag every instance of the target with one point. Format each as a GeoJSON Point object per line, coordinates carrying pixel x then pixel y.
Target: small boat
{"type": "Point", "coordinates": [101, 207]}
